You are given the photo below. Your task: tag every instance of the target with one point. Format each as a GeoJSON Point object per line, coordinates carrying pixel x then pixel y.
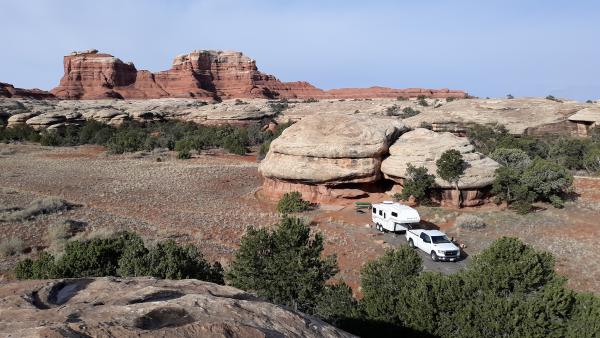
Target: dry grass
{"type": "Point", "coordinates": [11, 246]}
{"type": "Point", "coordinates": [46, 205]}
{"type": "Point", "coordinates": [469, 221]}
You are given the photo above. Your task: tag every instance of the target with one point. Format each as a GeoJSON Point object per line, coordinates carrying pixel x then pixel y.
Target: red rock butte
{"type": "Point", "coordinates": [201, 74]}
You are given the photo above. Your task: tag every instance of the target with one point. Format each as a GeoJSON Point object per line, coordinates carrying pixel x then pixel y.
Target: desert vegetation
{"type": "Point", "coordinates": [292, 202]}
{"type": "Point", "coordinates": [183, 137]}
{"type": "Point", "coordinates": [535, 168]}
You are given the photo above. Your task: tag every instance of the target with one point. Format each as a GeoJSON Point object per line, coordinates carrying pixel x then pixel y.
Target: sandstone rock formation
{"type": "Point", "coordinates": [423, 147]}
{"type": "Point", "coordinates": [519, 116]}
{"type": "Point", "coordinates": [202, 74]}
{"type": "Point", "coordinates": [146, 307]}
{"type": "Point", "coordinates": [8, 90]}
{"type": "Point", "coordinates": [323, 154]}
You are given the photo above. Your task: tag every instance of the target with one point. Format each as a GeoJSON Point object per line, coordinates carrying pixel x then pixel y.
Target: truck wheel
{"type": "Point", "coordinates": [378, 227]}
{"type": "Point", "coordinates": [434, 257]}
{"type": "Point", "coordinates": [411, 244]}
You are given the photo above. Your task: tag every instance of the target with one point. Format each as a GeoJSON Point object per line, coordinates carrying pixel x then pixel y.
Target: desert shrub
{"type": "Point", "coordinates": [337, 306]}
{"type": "Point", "coordinates": [422, 101]}
{"type": "Point", "coordinates": [392, 111]}
{"type": "Point", "coordinates": [417, 183]}
{"type": "Point", "coordinates": [569, 152]}
{"type": "Point", "coordinates": [552, 98]}
{"type": "Point", "coordinates": [547, 179]}
{"type": "Point", "coordinates": [169, 260]}
{"type": "Point", "coordinates": [279, 107]}
{"type": "Point", "coordinates": [283, 265]}
{"type": "Point", "coordinates": [401, 98]}
{"type": "Point", "coordinates": [126, 140]}
{"type": "Point", "coordinates": [485, 138]}
{"type": "Point", "coordinates": [18, 133]}
{"type": "Point", "coordinates": [11, 246]}
{"type": "Point", "coordinates": [51, 138]}
{"type": "Point", "coordinates": [184, 154]}
{"type": "Point", "coordinates": [43, 267]}
{"type": "Point", "coordinates": [450, 166]}
{"type": "Point", "coordinates": [591, 161]}
{"type": "Point", "coordinates": [509, 96]}
{"type": "Point", "coordinates": [409, 112]}
{"type": "Point", "coordinates": [514, 158]}
{"type": "Point", "coordinates": [239, 102]}
{"type": "Point", "coordinates": [58, 234]}
{"type": "Point", "coordinates": [235, 144]}
{"type": "Point", "coordinates": [46, 205]}
{"type": "Point", "coordinates": [292, 202]}
{"type": "Point", "coordinates": [469, 221]}
{"type": "Point", "coordinates": [123, 254]}
{"type": "Point", "coordinates": [385, 282]}
{"type": "Point", "coordinates": [310, 100]}
{"type": "Point", "coordinates": [450, 99]}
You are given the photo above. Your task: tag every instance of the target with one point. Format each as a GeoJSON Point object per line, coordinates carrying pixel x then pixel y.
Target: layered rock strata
{"type": "Point", "coordinates": [329, 156]}
{"type": "Point", "coordinates": [205, 74]}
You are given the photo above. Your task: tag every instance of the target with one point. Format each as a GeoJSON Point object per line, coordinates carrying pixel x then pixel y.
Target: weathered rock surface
{"type": "Point", "coordinates": [327, 153]}
{"type": "Point", "coordinates": [146, 307]}
{"type": "Point", "coordinates": [331, 149]}
{"type": "Point", "coordinates": [199, 74]}
{"type": "Point", "coordinates": [517, 115]}
{"type": "Point", "coordinates": [8, 90]}
{"type": "Point", "coordinates": [423, 147]}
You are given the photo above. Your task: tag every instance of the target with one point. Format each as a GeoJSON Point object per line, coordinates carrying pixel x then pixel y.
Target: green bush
{"type": "Point", "coordinates": [184, 154]}
{"type": "Point", "coordinates": [19, 133]}
{"type": "Point", "coordinates": [126, 140]}
{"type": "Point", "coordinates": [513, 158]}
{"type": "Point", "coordinates": [450, 166]}
{"type": "Point", "coordinates": [292, 202]}
{"type": "Point", "coordinates": [547, 179]}
{"type": "Point", "coordinates": [337, 306]}
{"type": "Point", "coordinates": [409, 112]}
{"type": "Point", "coordinates": [417, 183]}
{"type": "Point", "coordinates": [591, 161]}
{"type": "Point", "coordinates": [422, 101]}
{"type": "Point", "coordinates": [569, 152]}
{"type": "Point", "coordinates": [283, 265]}
{"type": "Point", "coordinates": [168, 260]}
{"type": "Point", "coordinates": [121, 255]}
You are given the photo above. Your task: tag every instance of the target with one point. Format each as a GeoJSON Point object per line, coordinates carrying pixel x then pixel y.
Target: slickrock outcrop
{"type": "Point", "coordinates": [423, 147]}
{"type": "Point", "coordinates": [146, 307]}
{"type": "Point", "coordinates": [329, 156]}
{"type": "Point", "coordinates": [8, 90]}
{"type": "Point", "coordinates": [203, 74]}
{"type": "Point", "coordinates": [383, 92]}
{"type": "Point", "coordinates": [521, 115]}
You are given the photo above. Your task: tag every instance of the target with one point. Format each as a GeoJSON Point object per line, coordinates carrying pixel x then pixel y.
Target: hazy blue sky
{"type": "Point", "coordinates": [489, 48]}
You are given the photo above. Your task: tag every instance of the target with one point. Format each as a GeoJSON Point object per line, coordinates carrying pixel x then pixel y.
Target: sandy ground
{"type": "Point", "coordinates": [210, 201]}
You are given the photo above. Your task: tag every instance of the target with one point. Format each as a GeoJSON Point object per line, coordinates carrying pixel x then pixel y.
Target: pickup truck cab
{"type": "Point", "coordinates": [390, 216]}
{"type": "Point", "coordinates": [435, 243]}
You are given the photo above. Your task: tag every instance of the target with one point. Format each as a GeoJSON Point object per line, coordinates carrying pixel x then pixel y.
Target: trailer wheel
{"type": "Point", "coordinates": [434, 257]}
{"type": "Point", "coordinates": [411, 244]}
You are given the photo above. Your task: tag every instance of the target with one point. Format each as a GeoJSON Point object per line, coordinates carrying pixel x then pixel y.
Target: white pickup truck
{"type": "Point", "coordinates": [435, 243]}
{"type": "Point", "coordinates": [390, 216]}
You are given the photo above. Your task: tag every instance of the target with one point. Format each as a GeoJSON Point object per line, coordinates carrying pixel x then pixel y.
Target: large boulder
{"type": "Point", "coordinates": [331, 149]}
{"type": "Point", "coordinates": [423, 147]}
{"type": "Point", "coordinates": [146, 307]}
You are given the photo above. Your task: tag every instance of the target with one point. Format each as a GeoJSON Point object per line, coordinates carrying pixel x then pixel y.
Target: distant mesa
{"type": "Point", "coordinates": [8, 90]}
{"type": "Point", "coordinates": [204, 74]}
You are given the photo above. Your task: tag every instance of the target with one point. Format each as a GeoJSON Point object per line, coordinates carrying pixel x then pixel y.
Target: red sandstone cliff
{"type": "Point", "coordinates": [8, 90]}
{"type": "Point", "coordinates": [199, 74]}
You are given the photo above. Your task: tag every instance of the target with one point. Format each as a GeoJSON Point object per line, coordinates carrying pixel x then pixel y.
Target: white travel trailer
{"type": "Point", "coordinates": [390, 216]}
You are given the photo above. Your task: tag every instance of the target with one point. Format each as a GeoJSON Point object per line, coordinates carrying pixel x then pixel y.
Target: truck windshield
{"type": "Point", "coordinates": [439, 239]}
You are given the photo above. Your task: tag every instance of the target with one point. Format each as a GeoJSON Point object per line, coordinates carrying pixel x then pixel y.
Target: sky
{"type": "Point", "coordinates": [487, 48]}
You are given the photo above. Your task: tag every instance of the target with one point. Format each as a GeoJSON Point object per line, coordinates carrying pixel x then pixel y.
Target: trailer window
{"type": "Point", "coordinates": [394, 214]}
{"type": "Point", "coordinates": [380, 213]}
{"type": "Point", "coordinates": [374, 210]}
